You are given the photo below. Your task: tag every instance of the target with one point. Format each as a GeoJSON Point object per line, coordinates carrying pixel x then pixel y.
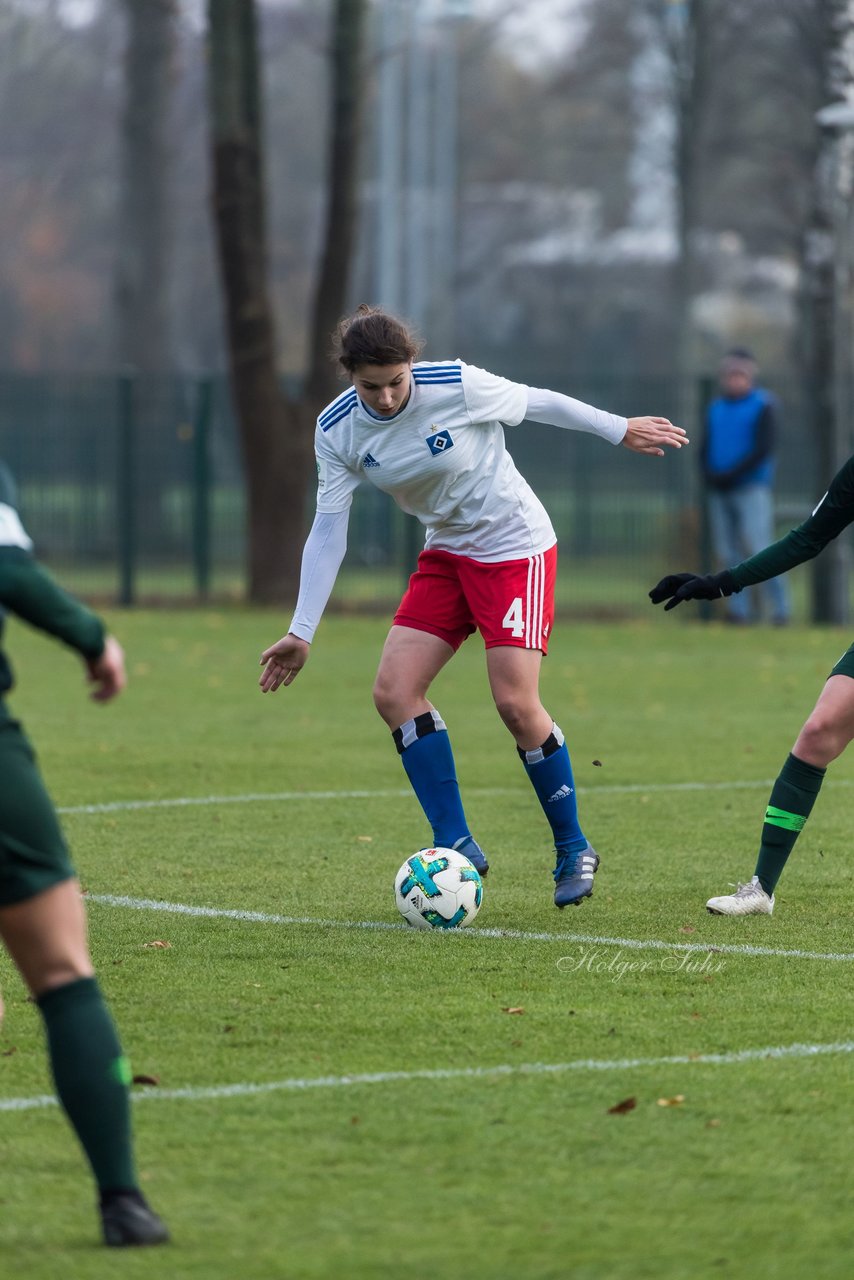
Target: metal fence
{"type": "Point", "coordinates": [133, 492]}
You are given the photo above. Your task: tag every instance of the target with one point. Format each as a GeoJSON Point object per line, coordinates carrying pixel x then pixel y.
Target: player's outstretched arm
{"type": "Point", "coordinates": [676, 587]}
{"type": "Point", "coordinates": [648, 435]}
{"type": "Point", "coordinates": [283, 662]}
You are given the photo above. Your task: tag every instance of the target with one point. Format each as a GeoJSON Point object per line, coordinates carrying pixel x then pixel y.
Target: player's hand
{"type": "Point", "coordinates": [647, 435]}
{"type": "Point", "coordinates": [283, 662]}
{"type": "Point", "coordinates": [107, 672]}
{"type": "Point", "coordinates": [677, 587]}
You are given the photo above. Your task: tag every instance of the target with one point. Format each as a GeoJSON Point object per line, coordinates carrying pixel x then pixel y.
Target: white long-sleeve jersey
{"type": "Point", "coordinates": [443, 459]}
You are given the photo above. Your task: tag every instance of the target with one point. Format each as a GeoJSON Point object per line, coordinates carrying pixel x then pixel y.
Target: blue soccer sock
{"type": "Point", "coordinates": [425, 751]}
{"type": "Point", "coordinates": [550, 772]}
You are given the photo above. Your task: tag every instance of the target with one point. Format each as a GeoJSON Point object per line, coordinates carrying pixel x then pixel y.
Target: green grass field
{"type": "Point", "coordinates": [502, 1167]}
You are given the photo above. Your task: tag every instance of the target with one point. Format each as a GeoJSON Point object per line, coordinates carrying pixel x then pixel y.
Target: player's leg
{"type": "Point", "coordinates": [46, 937]}
{"type": "Point", "coordinates": [513, 604]}
{"type": "Point", "coordinates": [429, 627]}
{"type": "Point", "coordinates": [514, 680]}
{"type": "Point", "coordinates": [43, 926]}
{"type": "Point", "coordinates": [409, 663]}
{"type": "Point", "coordinates": [825, 735]}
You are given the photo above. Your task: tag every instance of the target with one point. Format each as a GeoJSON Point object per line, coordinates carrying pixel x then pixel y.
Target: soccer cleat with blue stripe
{"type": "Point", "coordinates": [574, 877]}
{"type": "Point", "coordinates": [470, 849]}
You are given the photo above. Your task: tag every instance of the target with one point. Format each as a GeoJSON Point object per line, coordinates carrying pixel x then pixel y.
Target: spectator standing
{"type": "Point", "coordinates": [737, 461]}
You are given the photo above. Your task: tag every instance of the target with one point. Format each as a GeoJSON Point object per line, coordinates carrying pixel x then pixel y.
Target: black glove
{"type": "Point", "coordinates": [677, 587]}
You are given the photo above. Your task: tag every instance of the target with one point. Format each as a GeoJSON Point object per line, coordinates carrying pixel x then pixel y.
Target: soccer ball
{"type": "Point", "coordinates": [438, 889]}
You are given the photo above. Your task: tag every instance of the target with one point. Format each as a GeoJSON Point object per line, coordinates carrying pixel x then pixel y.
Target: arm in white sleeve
{"type": "Point", "coordinates": [321, 559]}
{"type": "Point", "coordinates": [563, 411]}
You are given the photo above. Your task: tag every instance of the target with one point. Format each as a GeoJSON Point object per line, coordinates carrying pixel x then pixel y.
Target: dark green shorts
{"type": "Point", "coordinates": [845, 665]}
{"type": "Point", "coordinates": [33, 852]}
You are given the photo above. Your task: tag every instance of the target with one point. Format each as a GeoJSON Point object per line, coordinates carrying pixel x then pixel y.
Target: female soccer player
{"type": "Point", "coordinates": [431, 435]}
{"type": "Point", "coordinates": [830, 726]}
{"type": "Point", "coordinates": [42, 921]}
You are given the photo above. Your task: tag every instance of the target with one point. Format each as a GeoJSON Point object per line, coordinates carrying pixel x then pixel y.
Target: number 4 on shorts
{"type": "Point", "coordinates": [513, 621]}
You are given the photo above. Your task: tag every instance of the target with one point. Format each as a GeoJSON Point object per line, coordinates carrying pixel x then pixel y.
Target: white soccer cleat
{"type": "Point", "coordinates": [748, 900]}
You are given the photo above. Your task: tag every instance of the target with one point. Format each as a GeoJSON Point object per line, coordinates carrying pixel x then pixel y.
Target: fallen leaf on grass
{"type": "Point", "coordinates": [620, 1108]}
{"type": "Point", "coordinates": [158, 943]}
{"type": "Point", "coordinates": [713, 1124]}
{"type": "Point", "coordinates": [7, 1053]}
{"type": "Point", "coordinates": [675, 1101]}
{"type": "Point", "coordinates": [365, 839]}
{"type": "Point", "coordinates": [140, 1079]}
{"type": "Point", "coordinates": [513, 1009]}
{"type": "Point", "coordinates": [687, 928]}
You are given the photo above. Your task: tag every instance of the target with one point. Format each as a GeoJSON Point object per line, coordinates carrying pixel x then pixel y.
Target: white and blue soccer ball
{"type": "Point", "coordinates": [438, 889]}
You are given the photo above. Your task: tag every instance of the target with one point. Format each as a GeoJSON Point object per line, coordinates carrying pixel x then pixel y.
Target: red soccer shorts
{"type": "Point", "coordinates": [510, 602]}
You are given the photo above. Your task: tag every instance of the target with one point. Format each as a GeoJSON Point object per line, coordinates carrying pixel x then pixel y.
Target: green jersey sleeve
{"type": "Point", "coordinates": [28, 590]}
{"type": "Point", "coordinates": [833, 514]}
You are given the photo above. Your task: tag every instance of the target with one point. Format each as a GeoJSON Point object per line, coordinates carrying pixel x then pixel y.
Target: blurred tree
{"type": "Point", "coordinates": [346, 74]}
{"type": "Point", "coordinates": [57, 174]}
{"type": "Point", "coordinates": [276, 433]}
{"type": "Point", "coordinates": [827, 31]}
{"type": "Point", "coordinates": [146, 216]}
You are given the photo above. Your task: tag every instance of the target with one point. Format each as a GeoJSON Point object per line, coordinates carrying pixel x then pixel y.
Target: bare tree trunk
{"type": "Point", "coordinates": [687, 29]}
{"type": "Point", "coordinates": [145, 214]}
{"type": "Point", "coordinates": [825, 266]}
{"type": "Point", "coordinates": [347, 74]}
{"type": "Point", "coordinates": [274, 452]}
{"type": "Point", "coordinates": [276, 435]}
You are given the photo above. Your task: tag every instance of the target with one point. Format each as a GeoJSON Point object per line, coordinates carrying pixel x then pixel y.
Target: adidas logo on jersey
{"type": "Point", "coordinates": [369, 461]}
{"type": "Point", "coordinates": [562, 794]}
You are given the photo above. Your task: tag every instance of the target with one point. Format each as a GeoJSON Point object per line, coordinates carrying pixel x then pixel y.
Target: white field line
{"type": "Point", "coordinates": [303, 1084]}
{"type": "Point", "coordinates": [512, 935]}
{"type": "Point", "coordinates": [266, 797]}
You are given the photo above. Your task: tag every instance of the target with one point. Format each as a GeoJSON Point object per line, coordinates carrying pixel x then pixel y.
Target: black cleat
{"type": "Point", "coordinates": [128, 1220]}
{"type": "Point", "coordinates": [574, 877]}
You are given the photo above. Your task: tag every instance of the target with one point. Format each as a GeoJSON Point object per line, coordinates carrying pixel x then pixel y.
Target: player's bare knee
{"type": "Point", "coordinates": [821, 740]}
{"type": "Point", "coordinates": [515, 714]}
{"type": "Point", "coordinates": [59, 974]}
{"type": "Point", "coordinates": [385, 702]}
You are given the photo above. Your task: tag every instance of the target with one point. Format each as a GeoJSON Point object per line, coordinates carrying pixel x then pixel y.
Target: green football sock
{"type": "Point", "coordinates": [792, 798]}
{"type": "Point", "coordinates": [92, 1077]}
